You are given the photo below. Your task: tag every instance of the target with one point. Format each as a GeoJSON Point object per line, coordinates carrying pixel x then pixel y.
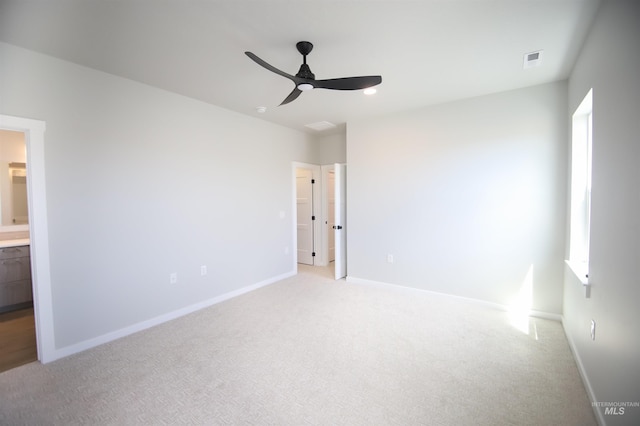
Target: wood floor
{"type": "Point", "coordinates": [17, 339]}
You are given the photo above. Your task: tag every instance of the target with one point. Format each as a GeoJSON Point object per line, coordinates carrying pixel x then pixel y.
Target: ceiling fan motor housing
{"type": "Point", "coordinates": [305, 72]}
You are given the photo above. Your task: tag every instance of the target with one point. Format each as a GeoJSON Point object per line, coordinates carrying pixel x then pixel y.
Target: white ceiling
{"type": "Point", "coordinates": [428, 51]}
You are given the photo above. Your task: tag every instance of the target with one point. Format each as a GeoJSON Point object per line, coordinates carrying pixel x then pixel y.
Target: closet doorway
{"type": "Point", "coordinates": [307, 215]}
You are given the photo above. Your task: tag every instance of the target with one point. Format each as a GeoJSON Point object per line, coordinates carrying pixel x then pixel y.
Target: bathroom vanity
{"type": "Point", "coordinates": [15, 274]}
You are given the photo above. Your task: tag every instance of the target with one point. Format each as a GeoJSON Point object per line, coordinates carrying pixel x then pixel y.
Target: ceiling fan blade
{"type": "Point", "coordinates": [348, 83]}
{"type": "Point", "coordinates": [292, 96]}
{"type": "Point", "coordinates": [271, 67]}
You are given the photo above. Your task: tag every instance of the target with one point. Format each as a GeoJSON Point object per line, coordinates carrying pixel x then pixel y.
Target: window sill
{"type": "Point", "coordinates": [580, 270]}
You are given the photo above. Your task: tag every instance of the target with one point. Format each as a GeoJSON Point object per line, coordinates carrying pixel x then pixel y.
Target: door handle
{"type": "Point", "coordinates": [337, 227]}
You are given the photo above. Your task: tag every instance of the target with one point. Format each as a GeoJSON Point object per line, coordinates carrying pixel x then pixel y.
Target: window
{"type": "Point", "coordinates": [581, 141]}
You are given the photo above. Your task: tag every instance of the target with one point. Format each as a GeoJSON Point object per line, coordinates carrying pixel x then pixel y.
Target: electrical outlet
{"type": "Point", "coordinates": [593, 329]}
{"type": "Point", "coordinates": [173, 278]}
{"type": "Point", "coordinates": [203, 270]}
{"type": "Point", "coordinates": [390, 258]}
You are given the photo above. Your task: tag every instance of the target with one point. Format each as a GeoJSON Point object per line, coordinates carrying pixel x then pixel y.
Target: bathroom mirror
{"type": "Point", "coordinates": [13, 181]}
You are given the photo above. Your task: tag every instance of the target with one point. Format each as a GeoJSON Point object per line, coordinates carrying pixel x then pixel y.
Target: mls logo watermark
{"type": "Point", "coordinates": [616, 408]}
{"type": "Point", "coordinates": [615, 411]}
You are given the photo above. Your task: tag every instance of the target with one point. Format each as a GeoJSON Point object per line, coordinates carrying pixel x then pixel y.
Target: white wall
{"type": "Point", "coordinates": [332, 148]}
{"type": "Point", "coordinates": [142, 183]}
{"type": "Point", "coordinates": [466, 196]}
{"type": "Point", "coordinates": [610, 64]}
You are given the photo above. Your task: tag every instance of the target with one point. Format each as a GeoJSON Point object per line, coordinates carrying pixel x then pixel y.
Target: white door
{"type": "Point", "coordinates": [340, 220]}
{"type": "Point", "coordinates": [331, 219]}
{"type": "Point", "coordinates": [304, 213]}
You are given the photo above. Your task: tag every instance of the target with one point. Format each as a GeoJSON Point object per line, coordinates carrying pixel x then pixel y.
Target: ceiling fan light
{"type": "Point", "coordinates": [370, 91]}
{"type": "Point", "coordinates": [305, 86]}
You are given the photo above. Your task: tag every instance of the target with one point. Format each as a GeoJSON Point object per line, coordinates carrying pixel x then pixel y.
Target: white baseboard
{"type": "Point", "coordinates": [114, 335]}
{"type": "Point", "coordinates": [498, 306]}
{"type": "Point", "coordinates": [583, 375]}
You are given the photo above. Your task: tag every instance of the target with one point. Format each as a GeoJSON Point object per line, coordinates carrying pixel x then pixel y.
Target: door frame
{"type": "Point", "coordinates": [38, 231]}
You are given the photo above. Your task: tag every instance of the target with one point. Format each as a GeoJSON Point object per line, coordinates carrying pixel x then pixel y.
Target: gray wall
{"type": "Point", "coordinates": [468, 197]}
{"type": "Point", "coordinates": [610, 64]}
{"type": "Point", "coordinates": [142, 183]}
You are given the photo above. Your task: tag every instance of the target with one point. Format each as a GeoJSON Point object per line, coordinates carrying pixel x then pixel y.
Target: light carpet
{"type": "Point", "coordinates": [309, 350]}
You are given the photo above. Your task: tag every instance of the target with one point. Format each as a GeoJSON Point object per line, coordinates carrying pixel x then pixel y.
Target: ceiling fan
{"type": "Point", "coordinates": [305, 79]}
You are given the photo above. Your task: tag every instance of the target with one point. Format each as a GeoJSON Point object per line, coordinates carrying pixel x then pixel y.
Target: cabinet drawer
{"type": "Point", "coordinates": [15, 292]}
{"type": "Point", "coordinates": [13, 252]}
{"type": "Point", "coordinates": [15, 269]}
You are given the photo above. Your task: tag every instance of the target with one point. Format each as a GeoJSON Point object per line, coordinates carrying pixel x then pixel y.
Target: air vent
{"type": "Point", "coordinates": [320, 126]}
{"type": "Point", "coordinates": [532, 59]}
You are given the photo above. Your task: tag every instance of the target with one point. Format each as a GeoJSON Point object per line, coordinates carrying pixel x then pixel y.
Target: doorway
{"type": "Point", "coordinates": [307, 201]}
{"type": "Point", "coordinates": [305, 215]}
{"type": "Point", "coordinates": [327, 231]}
{"type": "Point", "coordinates": [17, 322]}
{"type": "Point", "coordinates": [33, 131]}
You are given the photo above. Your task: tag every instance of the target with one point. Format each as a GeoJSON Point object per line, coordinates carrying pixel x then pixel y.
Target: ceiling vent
{"type": "Point", "coordinates": [532, 59]}
{"type": "Point", "coordinates": [320, 126]}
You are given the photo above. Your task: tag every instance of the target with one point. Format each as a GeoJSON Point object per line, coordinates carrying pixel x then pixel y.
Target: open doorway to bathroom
{"type": "Point", "coordinates": [38, 227]}
{"type": "Point", "coordinates": [17, 323]}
